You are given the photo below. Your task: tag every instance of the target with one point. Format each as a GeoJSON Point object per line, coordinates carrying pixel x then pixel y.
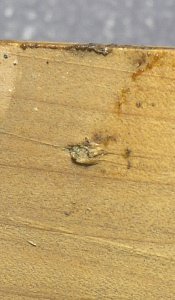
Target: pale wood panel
{"type": "Point", "coordinates": [71, 231]}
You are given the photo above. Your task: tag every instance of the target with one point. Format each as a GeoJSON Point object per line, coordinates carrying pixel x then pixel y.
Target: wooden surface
{"type": "Point", "coordinates": [87, 160]}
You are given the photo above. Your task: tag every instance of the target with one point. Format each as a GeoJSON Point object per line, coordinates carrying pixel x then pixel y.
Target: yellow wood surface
{"type": "Point", "coordinates": [87, 181]}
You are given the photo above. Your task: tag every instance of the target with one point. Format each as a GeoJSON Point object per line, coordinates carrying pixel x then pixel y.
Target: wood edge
{"type": "Point", "coordinates": [67, 46]}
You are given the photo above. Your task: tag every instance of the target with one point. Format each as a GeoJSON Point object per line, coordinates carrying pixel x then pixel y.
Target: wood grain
{"type": "Point", "coordinates": [70, 228]}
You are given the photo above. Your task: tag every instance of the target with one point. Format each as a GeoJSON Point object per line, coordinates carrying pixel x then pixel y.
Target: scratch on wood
{"type": "Point", "coordinates": [123, 247]}
{"type": "Point", "coordinates": [32, 243]}
{"type": "Point", "coordinates": [29, 139]}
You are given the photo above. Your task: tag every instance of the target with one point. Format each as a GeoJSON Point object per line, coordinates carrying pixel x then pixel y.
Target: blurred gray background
{"type": "Point", "coordinates": [150, 22]}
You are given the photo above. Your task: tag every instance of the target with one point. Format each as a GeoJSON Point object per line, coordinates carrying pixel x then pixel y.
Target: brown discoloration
{"type": "Point", "coordinates": [129, 165]}
{"type": "Point", "coordinates": [67, 213]}
{"type": "Point", "coordinates": [105, 139]}
{"type": "Point", "coordinates": [138, 104]}
{"type": "Point", "coordinates": [122, 99]}
{"type": "Point", "coordinates": [145, 63]}
{"type": "Point", "coordinates": [127, 153]}
{"type": "Point", "coordinates": [86, 153]}
{"type": "Point", "coordinates": [96, 48]}
{"type": "Point", "coordinates": [140, 60]}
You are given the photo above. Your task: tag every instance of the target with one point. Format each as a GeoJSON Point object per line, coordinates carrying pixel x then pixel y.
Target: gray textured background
{"type": "Point", "coordinates": [150, 22]}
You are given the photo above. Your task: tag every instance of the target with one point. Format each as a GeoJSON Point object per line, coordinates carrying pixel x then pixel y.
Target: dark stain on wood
{"type": "Point", "coordinates": [127, 153]}
{"type": "Point", "coordinates": [5, 56]}
{"type": "Point", "coordinates": [138, 104]}
{"type": "Point", "coordinates": [129, 165]}
{"type": "Point", "coordinates": [121, 99]}
{"type": "Point", "coordinates": [145, 62]}
{"type": "Point", "coordinates": [103, 138]}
